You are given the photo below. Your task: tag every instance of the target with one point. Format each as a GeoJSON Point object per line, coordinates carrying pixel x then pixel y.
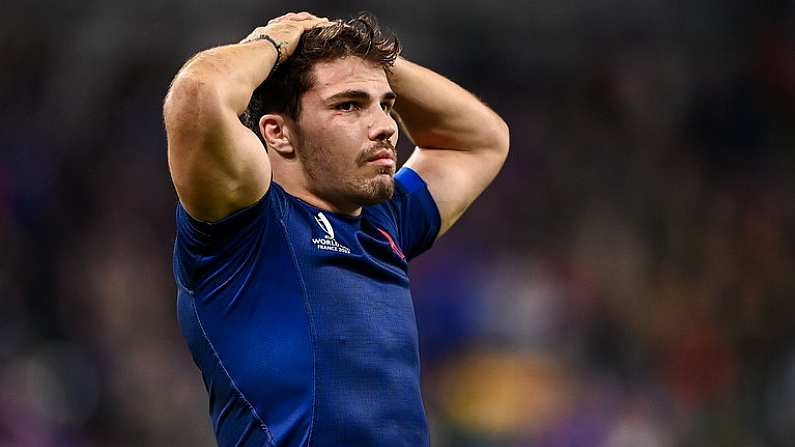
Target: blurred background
{"type": "Point", "coordinates": [627, 281]}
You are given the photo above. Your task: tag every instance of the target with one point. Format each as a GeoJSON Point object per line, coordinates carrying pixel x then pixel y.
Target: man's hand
{"type": "Point", "coordinates": [286, 30]}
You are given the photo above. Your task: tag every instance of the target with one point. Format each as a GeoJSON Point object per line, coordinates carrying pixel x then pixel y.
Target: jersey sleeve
{"type": "Point", "coordinates": [205, 253]}
{"type": "Point", "coordinates": [418, 219]}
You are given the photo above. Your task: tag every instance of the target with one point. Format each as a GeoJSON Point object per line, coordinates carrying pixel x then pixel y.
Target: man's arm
{"type": "Point", "coordinates": [217, 164]}
{"type": "Point", "coordinates": [461, 143]}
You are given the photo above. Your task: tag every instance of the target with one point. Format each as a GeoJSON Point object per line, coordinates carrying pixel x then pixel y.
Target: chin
{"type": "Point", "coordinates": [378, 190]}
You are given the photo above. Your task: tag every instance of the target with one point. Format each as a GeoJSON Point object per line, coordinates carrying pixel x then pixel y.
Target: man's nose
{"type": "Point", "coordinates": [383, 126]}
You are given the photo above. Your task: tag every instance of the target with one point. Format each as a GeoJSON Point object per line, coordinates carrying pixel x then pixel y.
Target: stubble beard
{"type": "Point", "coordinates": [327, 178]}
{"type": "Point", "coordinates": [377, 189]}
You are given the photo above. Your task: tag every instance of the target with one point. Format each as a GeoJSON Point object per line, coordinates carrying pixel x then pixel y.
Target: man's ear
{"type": "Point", "coordinates": [278, 134]}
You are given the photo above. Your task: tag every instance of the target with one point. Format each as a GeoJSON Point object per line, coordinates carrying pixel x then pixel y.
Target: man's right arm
{"type": "Point", "coordinates": [217, 164]}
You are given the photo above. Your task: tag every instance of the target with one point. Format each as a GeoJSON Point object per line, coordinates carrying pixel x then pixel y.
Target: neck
{"type": "Point", "coordinates": [299, 188]}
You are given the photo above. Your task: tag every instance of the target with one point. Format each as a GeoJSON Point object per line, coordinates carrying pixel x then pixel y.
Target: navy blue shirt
{"type": "Point", "coordinates": [301, 320]}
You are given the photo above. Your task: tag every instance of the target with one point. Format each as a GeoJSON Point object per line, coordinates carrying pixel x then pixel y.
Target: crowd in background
{"type": "Point", "coordinates": [627, 281]}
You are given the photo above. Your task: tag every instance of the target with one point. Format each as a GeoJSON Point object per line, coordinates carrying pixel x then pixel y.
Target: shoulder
{"type": "Point", "coordinates": [411, 214]}
{"type": "Point", "coordinates": [272, 204]}
{"type": "Point", "coordinates": [407, 183]}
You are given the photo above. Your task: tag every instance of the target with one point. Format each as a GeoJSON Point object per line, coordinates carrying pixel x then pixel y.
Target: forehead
{"type": "Point", "coordinates": [348, 73]}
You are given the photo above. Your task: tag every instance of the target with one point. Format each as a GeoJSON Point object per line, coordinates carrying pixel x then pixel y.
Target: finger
{"type": "Point", "coordinates": [315, 20]}
{"type": "Point", "coordinates": [296, 16]}
{"type": "Point", "coordinates": [300, 24]}
{"type": "Point", "coordinates": [282, 17]}
{"type": "Point", "coordinates": [311, 23]}
{"type": "Point", "coordinates": [324, 23]}
{"type": "Point", "coordinates": [304, 15]}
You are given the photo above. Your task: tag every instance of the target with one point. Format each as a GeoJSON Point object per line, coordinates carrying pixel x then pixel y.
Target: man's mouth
{"type": "Point", "coordinates": [383, 157]}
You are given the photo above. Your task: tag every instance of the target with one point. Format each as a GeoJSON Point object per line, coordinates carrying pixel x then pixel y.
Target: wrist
{"type": "Point", "coordinates": [278, 48]}
{"type": "Point", "coordinates": [397, 70]}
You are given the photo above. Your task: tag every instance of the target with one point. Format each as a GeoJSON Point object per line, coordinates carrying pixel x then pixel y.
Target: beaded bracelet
{"type": "Point", "coordinates": [276, 45]}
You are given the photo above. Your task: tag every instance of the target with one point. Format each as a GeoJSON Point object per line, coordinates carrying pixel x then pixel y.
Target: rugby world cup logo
{"type": "Point", "coordinates": [325, 225]}
{"type": "Point", "coordinates": [328, 243]}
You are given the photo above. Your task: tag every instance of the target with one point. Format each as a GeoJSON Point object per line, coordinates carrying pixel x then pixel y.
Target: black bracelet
{"type": "Point", "coordinates": [276, 45]}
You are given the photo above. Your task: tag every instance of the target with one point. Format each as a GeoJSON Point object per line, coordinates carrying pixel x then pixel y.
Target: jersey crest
{"type": "Point", "coordinates": [328, 242]}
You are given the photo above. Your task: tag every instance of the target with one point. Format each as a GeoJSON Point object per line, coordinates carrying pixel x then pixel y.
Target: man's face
{"type": "Point", "coordinates": [347, 136]}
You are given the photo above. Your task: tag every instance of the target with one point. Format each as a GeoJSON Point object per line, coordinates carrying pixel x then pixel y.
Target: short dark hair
{"type": "Point", "coordinates": [360, 36]}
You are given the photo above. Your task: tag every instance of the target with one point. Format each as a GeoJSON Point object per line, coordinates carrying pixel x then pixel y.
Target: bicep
{"type": "Point", "coordinates": [454, 178]}
{"type": "Point", "coordinates": [217, 165]}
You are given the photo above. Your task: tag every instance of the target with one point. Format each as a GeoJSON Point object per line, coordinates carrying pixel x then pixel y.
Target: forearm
{"type": "Point", "coordinates": [439, 114]}
{"type": "Point", "coordinates": [225, 75]}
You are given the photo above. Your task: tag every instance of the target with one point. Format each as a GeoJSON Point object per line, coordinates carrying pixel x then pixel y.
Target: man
{"type": "Point", "coordinates": [293, 234]}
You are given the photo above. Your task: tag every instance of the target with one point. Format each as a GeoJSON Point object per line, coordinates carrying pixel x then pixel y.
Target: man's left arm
{"type": "Point", "coordinates": [461, 143]}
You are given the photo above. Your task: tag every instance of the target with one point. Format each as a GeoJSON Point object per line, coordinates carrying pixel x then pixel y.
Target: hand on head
{"type": "Point", "coordinates": [286, 30]}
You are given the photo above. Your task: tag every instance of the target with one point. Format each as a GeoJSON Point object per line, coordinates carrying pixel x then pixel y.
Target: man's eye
{"type": "Point", "coordinates": [387, 107]}
{"type": "Point", "coordinates": [346, 106]}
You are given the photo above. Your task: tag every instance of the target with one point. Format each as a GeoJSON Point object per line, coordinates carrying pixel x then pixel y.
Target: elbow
{"type": "Point", "coordinates": [501, 137]}
{"type": "Point", "coordinates": [494, 143]}
{"type": "Point", "coordinates": [184, 93]}
{"type": "Point", "coordinates": [188, 101]}
{"type": "Point", "coordinates": [196, 87]}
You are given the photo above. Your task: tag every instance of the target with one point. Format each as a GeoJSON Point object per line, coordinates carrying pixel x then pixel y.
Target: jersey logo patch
{"type": "Point", "coordinates": [328, 242]}
{"type": "Point", "coordinates": [322, 220]}
{"type": "Point", "coordinates": [392, 244]}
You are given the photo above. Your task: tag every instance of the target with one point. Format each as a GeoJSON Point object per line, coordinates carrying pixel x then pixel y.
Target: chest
{"type": "Point", "coordinates": [356, 280]}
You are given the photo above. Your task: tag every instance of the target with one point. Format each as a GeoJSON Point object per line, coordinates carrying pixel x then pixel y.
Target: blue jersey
{"type": "Point", "coordinates": [301, 320]}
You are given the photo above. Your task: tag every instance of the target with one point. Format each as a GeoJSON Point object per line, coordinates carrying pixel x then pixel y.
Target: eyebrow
{"type": "Point", "coordinates": [358, 94]}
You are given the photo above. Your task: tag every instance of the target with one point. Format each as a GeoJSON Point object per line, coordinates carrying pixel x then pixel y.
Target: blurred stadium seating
{"type": "Point", "coordinates": [628, 281]}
